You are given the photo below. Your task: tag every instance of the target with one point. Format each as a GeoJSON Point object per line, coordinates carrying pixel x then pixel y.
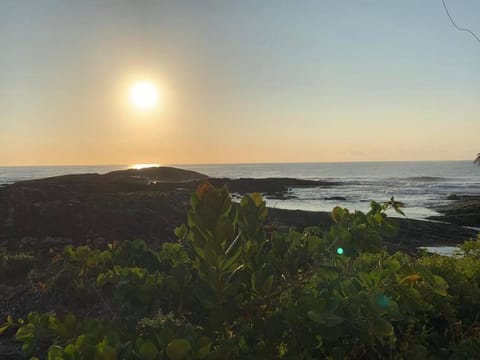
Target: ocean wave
{"type": "Point", "coordinates": [425, 178]}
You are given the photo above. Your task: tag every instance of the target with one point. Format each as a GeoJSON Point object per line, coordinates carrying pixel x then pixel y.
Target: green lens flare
{"type": "Point", "coordinates": [339, 251]}
{"type": "Point", "coordinates": [383, 300]}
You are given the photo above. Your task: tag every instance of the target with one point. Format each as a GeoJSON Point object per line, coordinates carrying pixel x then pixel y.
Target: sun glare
{"type": "Point", "coordinates": [143, 166]}
{"type": "Point", "coordinates": [144, 95]}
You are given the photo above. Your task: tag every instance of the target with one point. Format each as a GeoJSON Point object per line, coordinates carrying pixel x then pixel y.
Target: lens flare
{"type": "Point", "coordinates": [383, 300]}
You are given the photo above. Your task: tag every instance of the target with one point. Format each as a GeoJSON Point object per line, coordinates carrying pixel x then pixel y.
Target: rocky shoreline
{"type": "Point", "coordinates": [463, 210]}
{"type": "Point", "coordinates": [150, 203]}
{"type": "Point", "coordinates": [92, 208]}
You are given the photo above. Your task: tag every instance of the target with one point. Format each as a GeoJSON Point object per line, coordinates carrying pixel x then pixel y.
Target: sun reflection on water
{"type": "Point", "coordinates": [143, 166]}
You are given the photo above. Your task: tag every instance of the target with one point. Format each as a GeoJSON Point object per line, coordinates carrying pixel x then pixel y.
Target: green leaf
{"type": "Point", "coordinates": [181, 232]}
{"type": "Point", "coordinates": [28, 347]}
{"type": "Point", "coordinates": [204, 347]}
{"type": "Point", "coordinates": [231, 260]}
{"type": "Point", "coordinates": [381, 328]}
{"type": "Point", "coordinates": [4, 328]}
{"type": "Point", "coordinates": [25, 333]}
{"type": "Point", "coordinates": [102, 279]}
{"type": "Point", "coordinates": [267, 285]}
{"type": "Point", "coordinates": [439, 285]}
{"type": "Point", "coordinates": [148, 351]}
{"type": "Point", "coordinates": [70, 321]}
{"type": "Point", "coordinates": [105, 352]}
{"type": "Point", "coordinates": [325, 318]}
{"type": "Point", "coordinates": [378, 218]}
{"type": "Point", "coordinates": [392, 265]}
{"type": "Point", "coordinates": [70, 351]}
{"type": "Point", "coordinates": [81, 340]}
{"type": "Point", "coordinates": [55, 352]}
{"type": "Point", "coordinates": [178, 349]}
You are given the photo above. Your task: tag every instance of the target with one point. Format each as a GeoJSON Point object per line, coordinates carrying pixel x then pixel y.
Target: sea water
{"type": "Point", "coordinates": [420, 185]}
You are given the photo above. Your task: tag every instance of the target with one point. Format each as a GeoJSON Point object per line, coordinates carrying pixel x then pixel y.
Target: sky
{"type": "Point", "coordinates": [238, 81]}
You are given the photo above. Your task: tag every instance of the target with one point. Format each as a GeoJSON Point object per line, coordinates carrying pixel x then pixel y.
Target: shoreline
{"type": "Point", "coordinates": [463, 210]}
{"type": "Point", "coordinates": [149, 203]}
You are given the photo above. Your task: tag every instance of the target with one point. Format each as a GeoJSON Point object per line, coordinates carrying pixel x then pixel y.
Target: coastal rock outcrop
{"type": "Point", "coordinates": [147, 203]}
{"type": "Point", "coordinates": [462, 210]}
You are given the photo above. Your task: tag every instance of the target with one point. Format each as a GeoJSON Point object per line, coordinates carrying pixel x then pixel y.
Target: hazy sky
{"type": "Point", "coordinates": [239, 81]}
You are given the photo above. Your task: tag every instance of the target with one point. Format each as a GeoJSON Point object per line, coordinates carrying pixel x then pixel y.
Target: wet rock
{"type": "Point", "coordinates": [11, 292]}
{"type": "Point", "coordinates": [338, 198]}
{"type": "Point", "coordinates": [98, 242]}
{"type": "Point", "coordinates": [5, 290]}
{"type": "Point", "coordinates": [9, 349]}
{"type": "Point", "coordinates": [50, 242]}
{"type": "Point", "coordinates": [10, 217]}
{"type": "Point", "coordinates": [270, 185]}
{"type": "Point", "coordinates": [28, 242]}
{"type": "Point", "coordinates": [280, 196]}
{"type": "Point", "coordinates": [463, 210]}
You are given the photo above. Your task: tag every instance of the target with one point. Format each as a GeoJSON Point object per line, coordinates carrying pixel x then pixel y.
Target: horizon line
{"type": "Point", "coordinates": [235, 163]}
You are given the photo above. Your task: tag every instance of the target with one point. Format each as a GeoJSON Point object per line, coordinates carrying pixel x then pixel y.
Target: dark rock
{"type": "Point", "coordinates": [50, 241]}
{"type": "Point", "coordinates": [27, 242]}
{"type": "Point", "coordinates": [298, 219]}
{"type": "Point", "coordinates": [280, 196]}
{"type": "Point", "coordinates": [339, 198]}
{"type": "Point", "coordinates": [452, 197]}
{"type": "Point", "coordinates": [77, 210]}
{"type": "Point", "coordinates": [11, 292]}
{"type": "Point", "coordinates": [153, 174]}
{"type": "Point", "coordinates": [271, 185]}
{"type": "Point", "coordinates": [463, 210]}
{"type": "Point", "coordinates": [10, 217]}
{"type": "Point", "coordinates": [416, 233]}
{"type": "Point", "coordinates": [9, 349]}
{"type": "Point", "coordinates": [99, 242]}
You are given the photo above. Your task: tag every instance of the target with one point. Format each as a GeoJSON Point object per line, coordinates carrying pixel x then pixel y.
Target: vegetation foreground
{"type": "Point", "coordinates": [233, 288]}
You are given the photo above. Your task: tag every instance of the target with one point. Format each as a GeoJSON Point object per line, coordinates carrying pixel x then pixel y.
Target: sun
{"type": "Point", "coordinates": [143, 166]}
{"type": "Point", "coordinates": [144, 95]}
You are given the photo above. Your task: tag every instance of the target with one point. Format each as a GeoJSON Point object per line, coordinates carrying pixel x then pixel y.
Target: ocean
{"type": "Point", "coordinates": [420, 185]}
